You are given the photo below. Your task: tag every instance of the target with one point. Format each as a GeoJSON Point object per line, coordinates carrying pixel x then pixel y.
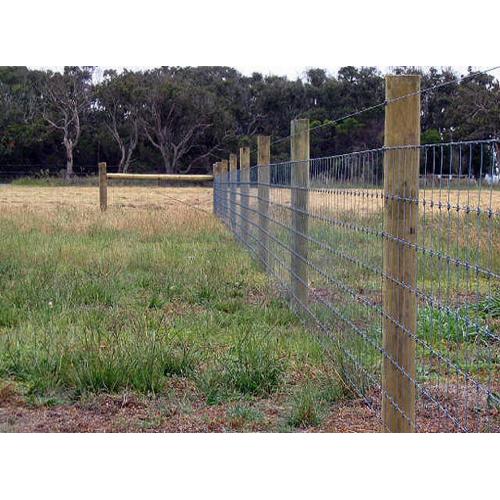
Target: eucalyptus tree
{"type": "Point", "coordinates": [119, 97]}
{"type": "Point", "coordinates": [66, 99]}
{"type": "Point", "coordinates": [177, 116]}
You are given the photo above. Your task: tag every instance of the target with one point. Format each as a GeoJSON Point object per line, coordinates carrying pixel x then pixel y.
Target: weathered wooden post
{"type": "Point", "coordinates": [264, 179]}
{"type": "Point", "coordinates": [103, 186]}
{"type": "Point", "coordinates": [215, 172]}
{"type": "Point", "coordinates": [401, 170]}
{"type": "Point", "coordinates": [299, 149]}
{"type": "Point", "coordinates": [225, 191]}
{"type": "Point", "coordinates": [233, 166]}
{"type": "Point", "coordinates": [244, 191]}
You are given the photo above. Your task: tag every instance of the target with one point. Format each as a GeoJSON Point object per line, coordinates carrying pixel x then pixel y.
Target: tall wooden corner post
{"type": "Point", "coordinates": [264, 180]}
{"type": "Point", "coordinates": [299, 150]}
{"type": "Point", "coordinates": [224, 190]}
{"type": "Point", "coordinates": [401, 170]}
{"type": "Point", "coordinates": [244, 191]}
{"type": "Point", "coordinates": [103, 186]}
{"type": "Point", "coordinates": [233, 173]}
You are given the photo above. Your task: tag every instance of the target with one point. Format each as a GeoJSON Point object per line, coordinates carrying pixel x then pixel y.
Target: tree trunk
{"type": "Point", "coordinates": [69, 159]}
{"type": "Point", "coordinates": [166, 162]}
{"type": "Point", "coordinates": [128, 158]}
{"type": "Point", "coordinates": [121, 165]}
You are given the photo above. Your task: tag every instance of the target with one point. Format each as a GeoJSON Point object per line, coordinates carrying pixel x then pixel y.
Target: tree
{"type": "Point", "coordinates": [65, 99]}
{"type": "Point", "coordinates": [119, 97]}
{"type": "Point", "coordinates": [475, 113]}
{"type": "Point", "coordinates": [183, 118]}
{"type": "Point", "coordinates": [21, 127]}
{"type": "Point", "coordinates": [176, 116]}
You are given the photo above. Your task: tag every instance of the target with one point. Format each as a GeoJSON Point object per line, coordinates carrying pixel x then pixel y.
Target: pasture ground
{"type": "Point", "coordinates": [149, 318]}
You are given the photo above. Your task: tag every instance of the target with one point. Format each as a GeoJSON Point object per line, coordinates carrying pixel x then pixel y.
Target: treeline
{"type": "Point", "coordinates": [183, 119]}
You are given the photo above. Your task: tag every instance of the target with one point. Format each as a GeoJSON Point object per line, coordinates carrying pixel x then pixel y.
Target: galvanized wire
{"type": "Point", "coordinates": [457, 251]}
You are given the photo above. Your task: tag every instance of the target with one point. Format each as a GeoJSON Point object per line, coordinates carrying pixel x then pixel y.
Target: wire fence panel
{"type": "Point", "coordinates": [371, 254]}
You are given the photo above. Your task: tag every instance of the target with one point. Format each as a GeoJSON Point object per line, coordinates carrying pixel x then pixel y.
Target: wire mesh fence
{"type": "Point", "coordinates": [404, 277]}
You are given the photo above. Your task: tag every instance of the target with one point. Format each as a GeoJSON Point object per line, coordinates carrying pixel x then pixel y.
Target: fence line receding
{"type": "Point", "coordinates": [403, 274]}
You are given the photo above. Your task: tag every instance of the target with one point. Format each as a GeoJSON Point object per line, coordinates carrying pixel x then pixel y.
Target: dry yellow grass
{"type": "Point", "coordinates": [87, 197]}
{"type": "Point", "coordinates": [75, 209]}
{"type": "Point", "coordinates": [156, 198]}
{"type": "Point", "coordinates": [365, 201]}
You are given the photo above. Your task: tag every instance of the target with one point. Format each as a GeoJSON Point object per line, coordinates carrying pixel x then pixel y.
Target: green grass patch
{"type": "Point", "coordinates": [311, 401]}
{"type": "Point", "coordinates": [103, 308]}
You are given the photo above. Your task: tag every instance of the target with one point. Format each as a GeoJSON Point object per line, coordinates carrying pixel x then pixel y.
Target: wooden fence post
{"type": "Point", "coordinates": [264, 179]}
{"type": "Point", "coordinates": [299, 149]}
{"type": "Point", "coordinates": [215, 173]}
{"type": "Point", "coordinates": [244, 191]}
{"type": "Point", "coordinates": [401, 170]}
{"type": "Point", "coordinates": [233, 166]}
{"type": "Point", "coordinates": [103, 186]}
{"type": "Point", "coordinates": [225, 190]}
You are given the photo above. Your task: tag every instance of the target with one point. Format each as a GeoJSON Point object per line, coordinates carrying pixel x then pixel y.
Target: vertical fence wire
{"type": "Point", "coordinates": [457, 286]}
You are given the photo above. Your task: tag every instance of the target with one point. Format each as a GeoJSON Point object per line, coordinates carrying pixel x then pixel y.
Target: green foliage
{"type": "Point", "coordinates": [348, 125]}
{"type": "Point", "coordinates": [462, 325]}
{"type": "Point", "coordinates": [206, 112]}
{"type": "Point", "coordinates": [431, 136]}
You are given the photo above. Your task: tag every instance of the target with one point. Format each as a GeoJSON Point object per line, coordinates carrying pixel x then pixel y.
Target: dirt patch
{"type": "Point", "coordinates": [184, 410]}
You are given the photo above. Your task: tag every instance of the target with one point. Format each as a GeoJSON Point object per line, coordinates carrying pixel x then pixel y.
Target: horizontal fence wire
{"type": "Point", "coordinates": [157, 194]}
{"type": "Point", "coordinates": [332, 245]}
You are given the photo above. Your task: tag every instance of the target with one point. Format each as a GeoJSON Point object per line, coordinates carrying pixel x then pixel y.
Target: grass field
{"type": "Point", "coordinates": [151, 317]}
{"type": "Point", "coordinates": [148, 320]}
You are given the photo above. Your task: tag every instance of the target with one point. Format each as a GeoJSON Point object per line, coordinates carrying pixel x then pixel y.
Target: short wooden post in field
{"type": "Point", "coordinates": [244, 191]}
{"type": "Point", "coordinates": [264, 179]}
{"type": "Point", "coordinates": [401, 170]}
{"type": "Point", "coordinates": [299, 149]}
{"type": "Point", "coordinates": [103, 186]}
{"type": "Point", "coordinates": [233, 167]}
{"type": "Point", "coordinates": [215, 173]}
{"type": "Point", "coordinates": [225, 190]}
